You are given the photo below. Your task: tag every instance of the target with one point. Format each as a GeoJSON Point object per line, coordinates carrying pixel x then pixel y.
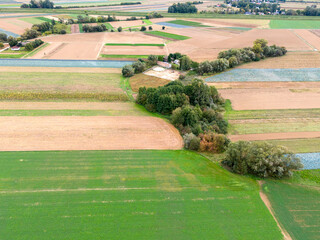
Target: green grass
{"type": "Point", "coordinates": [296, 203]}
{"type": "Point", "coordinates": [80, 28]}
{"type": "Point", "coordinates": [127, 195]}
{"type": "Point", "coordinates": [148, 22]}
{"type": "Point", "coordinates": [33, 20]}
{"type": "Point", "coordinates": [12, 55]}
{"type": "Point", "coordinates": [188, 23]}
{"type": "Point", "coordinates": [168, 35]}
{"type": "Point", "coordinates": [299, 145]}
{"type": "Point", "coordinates": [274, 126]}
{"type": "Point", "coordinates": [291, 24]}
{"type": "Point", "coordinates": [123, 56]}
{"type": "Point", "coordinates": [109, 26]}
{"type": "Point", "coordinates": [44, 19]}
{"type": "Point", "coordinates": [136, 44]}
{"type": "Point", "coordinates": [45, 86]}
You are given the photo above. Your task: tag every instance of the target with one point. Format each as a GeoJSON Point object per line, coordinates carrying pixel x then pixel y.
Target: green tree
{"type": "Point", "coordinates": [127, 71]}
{"type": "Point", "coordinates": [185, 63]}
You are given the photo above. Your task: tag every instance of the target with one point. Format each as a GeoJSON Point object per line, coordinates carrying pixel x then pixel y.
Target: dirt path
{"type": "Point", "coordinates": [274, 136]}
{"type": "Point", "coordinates": [266, 201]}
{"type": "Point", "coordinates": [87, 133]}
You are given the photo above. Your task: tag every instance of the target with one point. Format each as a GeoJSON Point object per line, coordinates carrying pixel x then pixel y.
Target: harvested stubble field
{"type": "Point", "coordinates": [87, 133]}
{"type": "Point", "coordinates": [142, 80]}
{"type": "Point", "coordinates": [47, 85]}
{"type": "Point", "coordinates": [133, 50]}
{"type": "Point", "coordinates": [296, 203]}
{"type": "Point", "coordinates": [14, 25]}
{"type": "Point", "coordinates": [128, 195]}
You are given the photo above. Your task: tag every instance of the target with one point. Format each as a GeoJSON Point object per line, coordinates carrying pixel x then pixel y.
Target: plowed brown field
{"type": "Point", "coordinates": [87, 133]}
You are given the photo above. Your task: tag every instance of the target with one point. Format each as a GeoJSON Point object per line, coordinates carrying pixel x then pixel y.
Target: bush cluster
{"type": "Point", "coordinates": [139, 66]}
{"type": "Point", "coordinates": [38, 4]}
{"type": "Point", "coordinates": [182, 8]}
{"type": "Point", "coordinates": [261, 159]}
{"type": "Point", "coordinates": [97, 28]}
{"type": "Point", "coordinates": [233, 57]}
{"type": "Point", "coordinates": [99, 19]}
{"type": "Point", "coordinates": [34, 44]}
{"type": "Point", "coordinates": [154, 15]}
{"type": "Point", "coordinates": [194, 110]}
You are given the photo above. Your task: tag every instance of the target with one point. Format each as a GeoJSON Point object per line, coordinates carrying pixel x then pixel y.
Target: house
{"type": "Point", "coordinates": [15, 48]}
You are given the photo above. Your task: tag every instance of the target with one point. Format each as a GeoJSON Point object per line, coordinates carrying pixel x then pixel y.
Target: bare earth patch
{"type": "Point", "coordinates": [274, 136]}
{"type": "Point", "coordinates": [271, 98]}
{"type": "Point", "coordinates": [87, 133]}
{"type": "Point", "coordinates": [161, 72]}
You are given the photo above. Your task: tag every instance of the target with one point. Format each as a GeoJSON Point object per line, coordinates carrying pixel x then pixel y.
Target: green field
{"type": "Point", "coordinates": [80, 28]}
{"type": "Point", "coordinates": [67, 86]}
{"type": "Point", "coordinates": [188, 23]}
{"type": "Point", "coordinates": [296, 203]}
{"type": "Point", "coordinates": [44, 19]}
{"type": "Point", "coordinates": [294, 24]}
{"type": "Point", "coordinates": [127, 195]}
{"type": "Point", "coordinates": [168, 35]}
{"type": "Point", "coordinates": [109, 26]}
{"type": "Point", "coordinates": [33, 20]}
{"type": "Point", "coordinates": [136, 44]}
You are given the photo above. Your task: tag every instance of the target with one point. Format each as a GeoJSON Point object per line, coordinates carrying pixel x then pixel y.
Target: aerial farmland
{"type": "Point", "coordinates": [159, 120]}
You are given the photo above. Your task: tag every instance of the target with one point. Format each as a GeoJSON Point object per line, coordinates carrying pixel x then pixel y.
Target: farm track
{"type": "Point", "coordinates": [274, 136]}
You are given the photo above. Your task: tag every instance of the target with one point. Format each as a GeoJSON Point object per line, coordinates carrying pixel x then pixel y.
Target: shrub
{"type": "Point", "coordinates": [3, 37]}
{"type": "Point", "coordinates": [143, 28]}
{"type": "Point", "coordinates": [152, 59]}
{"type": "Point", "coordinates": [12, 41]}
{"type": "Point", "coordinates": [185, 63]}
{"type": "Point", "coordinates": [127, 71]}
{"type": "Point", "coordinates": [29, 47]}
{"type": "Point", "coordinates": [139, 67]}
{"type": "Point", "coordinates": [119, 29]}
{"type": "Point", "coordinates": [163, 27]}
{"type": "Point", "coordinates": [1, 45]}
{"type": "Point", "coordinates": [213, 142]}
{"type": "Point", "coordinates": [150, 28]}
{"type": "Point", "coordinates": [261, 159]}
{"type": "Point", "coordinates": [191, 141]}
{"type": "Point", "coordinates": [63, 31]}
{"type": "Point", "coordinates": [233, 61]}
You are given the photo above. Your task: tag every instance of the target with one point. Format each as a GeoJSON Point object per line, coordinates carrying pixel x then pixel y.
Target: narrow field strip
{"type": "Point", "coordinates": [167, 35]}
{"type": "Point", "coordinates": [136, 44]}
{"type": "Point", "coordinates": [87, 133]}
{"type": "Point", "coordinates": [273, 136]}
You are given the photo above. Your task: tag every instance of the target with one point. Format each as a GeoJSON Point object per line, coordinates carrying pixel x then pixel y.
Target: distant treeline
{"type": "Point", "coordinates": [105, 5]}
{"type": "Point", "coordinates": [183, 8]}
{"type": "Point", "coordinates": [38, 4]}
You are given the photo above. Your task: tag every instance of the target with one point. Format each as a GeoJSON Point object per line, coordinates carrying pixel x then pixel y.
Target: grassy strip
{"type": "Point", "coordinates": [68, 96]}
{"type": "Point", "coordinates": [32, 20]}
{"type": "Point", "coordinates": [136, 44]}
{"type": "Point", "coordinates": [12, 55]}
{"type": "Point", "coordinates": [168, 35]}
{"type": "Point", "coordinates": [188, 23]}
{"type": "Point", "coordinates": [80, 28]}
{"type": "Point", "coordinates": [30, 54]}
{"type": "Point", "coordinates": [109, 26]}
{"type": "Point", "coordinates": [299, 145]}
{"type": "Point", "coordinates": [148, 22]}
{"type": "Point", "coordinates": [123, 56]}
{"type": "Point", "coordinates": [73, 112]}
{"type": "Point", "coordinates": [125, 85]}
{"type": "Point", "coordinates": [44, 19]}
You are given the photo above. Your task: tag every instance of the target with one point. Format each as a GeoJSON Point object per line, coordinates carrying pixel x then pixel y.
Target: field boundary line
{"type": "Point", "coordinates": [102, 44]}
{"type": "Point", "coordinates": [305, 41]}
{"type": "Point", "coordinates": [267, 203]}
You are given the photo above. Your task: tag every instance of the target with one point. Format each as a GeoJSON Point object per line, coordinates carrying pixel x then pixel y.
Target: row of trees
{"type": "Point", "coordinates": [38, 4]}
{"type": "Point", "coordinates": [182, 8]}
{"type": "Point", "coordinates": [97, 28]}
{"type": "Point", "coordinates": [233, 57]}
{"type": "Point", "coordinates": [34, 44]}
{"type": "Point", "coordinates": [99, 19]}
{"type": "Point", "coordinates": [139, 66]}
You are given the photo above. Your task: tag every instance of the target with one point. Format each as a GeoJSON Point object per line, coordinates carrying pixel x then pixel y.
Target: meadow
{"type": "Point", "coordinates": [128, 195]}
{"type": "Point", "coordinates": [296, 203]}
{"type": "Point", "coordinates": [188, 23]}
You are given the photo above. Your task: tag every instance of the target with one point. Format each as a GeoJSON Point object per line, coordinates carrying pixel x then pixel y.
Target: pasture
{"type": "Point", "coordinates": [188, 23]}
{"type": "Point", "coordinates": [296, 205]}
{"type": "Point", "coordinates": [128, 195]}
